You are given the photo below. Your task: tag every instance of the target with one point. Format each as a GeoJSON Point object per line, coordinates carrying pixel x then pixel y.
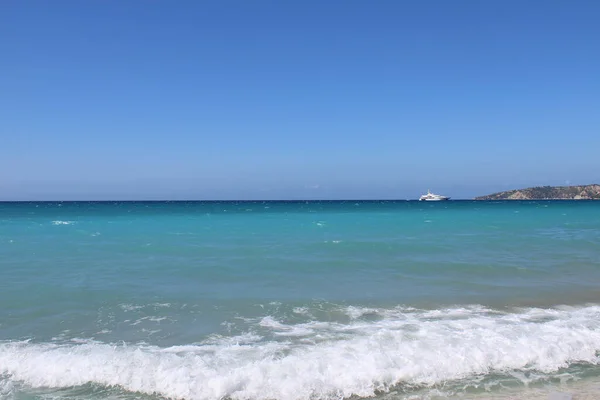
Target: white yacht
{"type": "Point", "coordinates": [433, 197]}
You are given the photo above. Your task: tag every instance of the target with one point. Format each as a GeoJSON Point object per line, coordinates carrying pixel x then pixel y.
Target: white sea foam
{"type": "Point", "coordinates": [157, 319]}
{"type": "Point", "coordinates": [6, 388]}
{"type": "Point", "coordinates": [130, 307]}
{"type": "Point", "coordinates": [357, 312]}
{"type": "Point", "coordinates": [301, 310]}
{"type": "Point", "coordinates": [136, 307]}
{"type": "Point", "coordinates": [401, 347]}
{"type": "Point", "coordinates": [149, 318]}
{"type": "Point", "coordinates": [58, 222]}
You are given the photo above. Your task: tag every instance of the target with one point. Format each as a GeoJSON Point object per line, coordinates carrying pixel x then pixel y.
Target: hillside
{"type": "Point", "coordinates": [583, 192]}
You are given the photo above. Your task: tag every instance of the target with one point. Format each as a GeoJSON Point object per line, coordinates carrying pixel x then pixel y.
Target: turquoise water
{"type": "Point", "coordinates": [298, 300]}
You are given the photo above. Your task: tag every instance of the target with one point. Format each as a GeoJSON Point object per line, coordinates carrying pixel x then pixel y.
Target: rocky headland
{"type": "Point", "coordinates": [581, 192]}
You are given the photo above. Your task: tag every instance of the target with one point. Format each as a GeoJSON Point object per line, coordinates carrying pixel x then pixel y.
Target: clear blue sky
{"type": "Point", "coordinates": [296, 99]}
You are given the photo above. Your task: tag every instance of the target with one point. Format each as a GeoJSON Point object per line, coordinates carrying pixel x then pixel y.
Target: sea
{"type": "Point", "coordinates": [300, 300]}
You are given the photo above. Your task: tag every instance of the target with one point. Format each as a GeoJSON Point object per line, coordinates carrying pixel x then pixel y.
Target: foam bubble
{"type": "Point", "coordinates": [402, 347]}
{"type": "Point", "coordinates": [58, 222]}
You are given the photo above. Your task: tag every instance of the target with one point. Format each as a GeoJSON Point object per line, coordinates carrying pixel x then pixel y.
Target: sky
{"type": "Point", "coordinates": [265, 99]}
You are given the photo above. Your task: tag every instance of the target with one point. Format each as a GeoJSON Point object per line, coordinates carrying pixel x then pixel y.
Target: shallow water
{"type": "Point", "coordinates": [299, 300]}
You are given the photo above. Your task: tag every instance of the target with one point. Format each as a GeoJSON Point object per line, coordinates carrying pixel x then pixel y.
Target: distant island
{"type": "Point", "coordinates": [582, 192]}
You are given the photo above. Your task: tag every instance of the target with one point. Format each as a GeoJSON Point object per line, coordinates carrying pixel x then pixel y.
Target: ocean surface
{"type": "Point", "coordinates": [299, 300]}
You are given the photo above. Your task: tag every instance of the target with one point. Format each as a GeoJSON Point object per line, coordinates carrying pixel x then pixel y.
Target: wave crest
{"type": "Point", "coordinates": [320, 360]}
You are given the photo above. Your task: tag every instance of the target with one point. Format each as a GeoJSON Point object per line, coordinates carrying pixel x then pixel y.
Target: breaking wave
{"type": "Point", "coordinates": [378, 350]}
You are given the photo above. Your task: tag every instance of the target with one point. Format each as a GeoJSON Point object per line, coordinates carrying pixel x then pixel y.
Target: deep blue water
{"type": "Point", "coordinates": [297, 300]}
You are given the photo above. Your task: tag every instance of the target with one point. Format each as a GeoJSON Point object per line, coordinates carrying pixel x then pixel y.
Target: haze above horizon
{"type": "Point", "coordinates": [296, 100]}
